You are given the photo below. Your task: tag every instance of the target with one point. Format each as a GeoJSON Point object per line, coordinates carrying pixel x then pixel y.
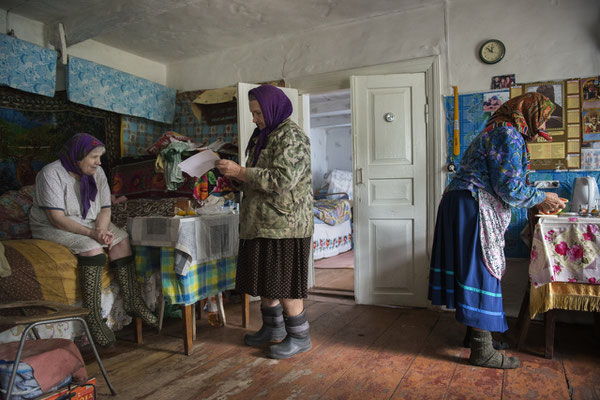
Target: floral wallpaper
{"type": "Point", "coordinates": [26, 66]}
{"type": "Point", "coordinates": [106, 88]}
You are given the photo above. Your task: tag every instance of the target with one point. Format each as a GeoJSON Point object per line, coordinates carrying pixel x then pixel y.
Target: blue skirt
{"type": "Point", "coordinates": [458, 277]}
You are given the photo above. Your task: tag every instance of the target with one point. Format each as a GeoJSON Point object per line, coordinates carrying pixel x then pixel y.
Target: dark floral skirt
{"type": "Point", "coordinates": [273, 268]}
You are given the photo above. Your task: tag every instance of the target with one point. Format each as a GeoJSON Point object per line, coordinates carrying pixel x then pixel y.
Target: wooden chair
{"type": "Point", "coordinates": [52, 313]}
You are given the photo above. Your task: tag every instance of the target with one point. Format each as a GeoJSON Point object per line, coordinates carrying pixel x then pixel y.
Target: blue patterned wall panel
{"type": "Point", "coordinates": [26, 66]}
{"type": "Point", "coordinates": [106, 88]}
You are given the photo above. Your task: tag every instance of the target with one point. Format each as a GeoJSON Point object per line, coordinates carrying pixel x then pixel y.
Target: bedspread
{"type": "Point", "coordinates": [333, 212]}
{"type": "Point", "coordinates": [43, 270]}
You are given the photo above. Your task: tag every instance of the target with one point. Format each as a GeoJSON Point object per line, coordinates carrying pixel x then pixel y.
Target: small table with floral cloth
{"type": "Point", "coordinates": [564, 270]}
{"type": "Point", "coordinates": [203, 249]}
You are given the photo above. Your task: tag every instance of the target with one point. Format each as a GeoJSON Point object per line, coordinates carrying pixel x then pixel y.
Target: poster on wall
{"type": "Point", "coordinates": [553, 91]}
{"type": "Point", "coordinates": [554, 154]}
{"type": "Point", "coordinates": [474, 111]}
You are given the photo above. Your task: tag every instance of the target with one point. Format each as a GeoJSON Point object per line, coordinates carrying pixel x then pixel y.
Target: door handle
{"type": "Point", "coordinates": [359, 176]}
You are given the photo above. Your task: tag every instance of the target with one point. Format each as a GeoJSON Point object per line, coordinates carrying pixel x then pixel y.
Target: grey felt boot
{"type": "Point", "coordinates": [133, 302]}
{"type": "Point", "coordinates": [484, 355]}
{"type": "Point", "coordinates": [90, 269]}
{"type": "Point", "coordinates": [296, 341]}
{"type": "Point", "coordinates": [272, 330]}
{"type": "Point", "coordinates": [497, 344]}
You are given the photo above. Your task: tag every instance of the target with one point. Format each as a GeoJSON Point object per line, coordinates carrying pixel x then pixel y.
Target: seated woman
{"type": "Point", "coordinates": [71, 206]}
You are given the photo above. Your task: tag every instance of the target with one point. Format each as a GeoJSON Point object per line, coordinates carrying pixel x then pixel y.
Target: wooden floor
{"type": "Point", "coordinates": [335, 279]}
{"type": "Point", "coordinates": [359, 352]}
{"type": "Point", "coordinates": [335, 274]}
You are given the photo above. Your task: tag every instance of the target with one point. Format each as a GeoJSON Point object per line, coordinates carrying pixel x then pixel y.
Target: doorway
{"type": "Point", "coordinates": [434, 153]}
{"type": "Point", "coordinates": [331, 158]}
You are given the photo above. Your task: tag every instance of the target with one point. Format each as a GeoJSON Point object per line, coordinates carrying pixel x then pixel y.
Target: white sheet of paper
{"type": "Point", "coordinates": [199, 164]}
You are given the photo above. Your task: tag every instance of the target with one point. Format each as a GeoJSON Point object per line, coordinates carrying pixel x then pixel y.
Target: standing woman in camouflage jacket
{"type": "Point", "coordinates": [276, 222]}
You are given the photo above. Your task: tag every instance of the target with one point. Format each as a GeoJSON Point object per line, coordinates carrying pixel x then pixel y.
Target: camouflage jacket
{"type": "Point", "coordinates": [277, 197]}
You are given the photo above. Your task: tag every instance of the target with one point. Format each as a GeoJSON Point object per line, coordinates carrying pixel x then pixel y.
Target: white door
{"type": "Point", "coordinates": [390, 205]}
{"type": "Point", "coordinates": [245, 124]}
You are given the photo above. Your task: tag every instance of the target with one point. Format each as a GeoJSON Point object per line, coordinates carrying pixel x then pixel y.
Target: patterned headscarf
{"type": "Point", "coordinates": [525, 113]}
{"type": "Point", "coordinates": [276, 107]}
{"type": "Point", "coordinates": [75, 149]}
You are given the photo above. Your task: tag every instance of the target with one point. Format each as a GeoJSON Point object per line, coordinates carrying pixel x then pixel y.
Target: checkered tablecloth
{"type": "Point", "coordinates": [202, 280]}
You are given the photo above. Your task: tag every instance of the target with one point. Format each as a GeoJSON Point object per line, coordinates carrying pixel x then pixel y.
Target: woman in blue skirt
{"type": "Point", "coordinates": [468, 250]}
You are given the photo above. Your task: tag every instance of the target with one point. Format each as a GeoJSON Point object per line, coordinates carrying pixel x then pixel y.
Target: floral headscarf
{"type": "Point", "coordinates": [276, 107]}
{"type": "Point", "coordinates": [75, 149]}
{"type": "Point", "coordinates": [525, 113]}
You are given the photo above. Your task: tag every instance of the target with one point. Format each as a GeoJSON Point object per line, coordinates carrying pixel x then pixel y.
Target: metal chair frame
{"type": "Point", "coordinates": [32, 325]}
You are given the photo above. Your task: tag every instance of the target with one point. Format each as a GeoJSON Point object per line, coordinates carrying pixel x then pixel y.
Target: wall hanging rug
{"type": "Point", "coordinates": [33, 128]}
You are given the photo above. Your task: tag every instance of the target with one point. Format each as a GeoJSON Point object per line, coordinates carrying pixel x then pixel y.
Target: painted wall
{"type": "Point", "coordinates": [33, 31]}
{"type": "Point", "coordinates": [24, 28]}
{"type": "Point", "coordinates": [318, 155]}
{"type": "Point", "coordinates": [339, 148]}
{"type": "Point", "coordinates": [330, 149]}
{"type": "Point", "coordinates": [545, 39]}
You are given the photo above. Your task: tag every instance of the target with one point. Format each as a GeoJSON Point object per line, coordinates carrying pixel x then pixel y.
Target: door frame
{"type": "Point", "coordinates": [436, 143]}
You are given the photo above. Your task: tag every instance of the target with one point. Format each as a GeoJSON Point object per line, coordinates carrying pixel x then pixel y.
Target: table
{"type": "Point", "coordinates": [196, 257]}
{"type": "Point", "coordinates": [565, 249]}
{"type": "Point", "coordinates": [564, 272]}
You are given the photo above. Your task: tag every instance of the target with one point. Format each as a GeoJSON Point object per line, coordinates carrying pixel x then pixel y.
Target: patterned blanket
{"type": "Point", "coordinates": [43, 270]}
{"type": "Point", "coordinates": [333, 212]}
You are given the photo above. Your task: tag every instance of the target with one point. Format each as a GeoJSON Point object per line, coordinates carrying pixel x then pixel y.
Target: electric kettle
{"type": "Point", "coordinates": [585, 193]}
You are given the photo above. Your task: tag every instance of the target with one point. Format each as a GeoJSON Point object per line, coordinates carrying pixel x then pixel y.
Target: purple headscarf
{"type": "Point", "coordinates": [75, 149]}
{"type": "Point", "coordinates": [276, 107]}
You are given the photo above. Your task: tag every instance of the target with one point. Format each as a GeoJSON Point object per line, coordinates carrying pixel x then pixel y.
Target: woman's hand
{"type": "Point", "coordinates": [551, 204]}
{"type": "Point", "coordinates": [102, 236]}
{"type": "Point", "coordinates": [231, 169]}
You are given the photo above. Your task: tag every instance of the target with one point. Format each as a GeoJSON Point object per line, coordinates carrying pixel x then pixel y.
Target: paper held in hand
{"type": "Point", "coordinates": [199, 164]}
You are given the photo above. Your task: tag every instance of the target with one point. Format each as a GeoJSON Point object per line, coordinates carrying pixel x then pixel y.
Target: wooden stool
{"type": "Point", "coordinates": [189, 313]}
{"type": "Point", "coordinates": [54, 313]}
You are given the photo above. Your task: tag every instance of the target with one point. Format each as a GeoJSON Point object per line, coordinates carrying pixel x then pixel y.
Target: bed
{"type": "Point", "coordinates": [333, 215]}
{"type": "Point", "coordinates": [44, 270]}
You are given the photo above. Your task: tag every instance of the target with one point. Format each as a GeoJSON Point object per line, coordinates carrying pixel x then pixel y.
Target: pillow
{"type": "Point", "coordinates": [339, 181]}
{"type": "Point", "coordinates": [14, 213]}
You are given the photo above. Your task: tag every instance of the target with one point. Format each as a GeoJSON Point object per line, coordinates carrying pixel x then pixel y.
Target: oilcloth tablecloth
{"type": "Point", "coordinates": [565, 249]}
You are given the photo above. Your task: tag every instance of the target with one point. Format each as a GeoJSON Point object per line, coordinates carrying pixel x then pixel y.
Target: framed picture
{"type": "Point", "coordinates": [502, 81]}
{"type": "Point", "coordinates": [590, 92]}
{"type": "Point", "coordinates": [591, 121]}
{"type": "Point", "coordinates": [555, 92]}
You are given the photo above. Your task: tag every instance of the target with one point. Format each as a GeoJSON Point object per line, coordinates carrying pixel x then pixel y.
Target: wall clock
{"type": "Point", "coordinates": [492, 51]}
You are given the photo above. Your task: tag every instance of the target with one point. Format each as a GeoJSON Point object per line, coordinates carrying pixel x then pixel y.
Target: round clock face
{"type": "Point", "coordinates": [492, 51]}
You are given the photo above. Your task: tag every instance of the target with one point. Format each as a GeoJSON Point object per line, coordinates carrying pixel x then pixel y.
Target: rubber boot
{"type": "Point", "coordinates": [273, 327]}
{"type": "Point", "coordinates": [497, 344]}
{"type": "Point", "coordinates": [484, 355]}
{"type": "Point", "coordinates": [91, 292]}
{"type": "Point", "coordinates": [133, 302]}
{"type": "Point", "coordinates": [297, 339]}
